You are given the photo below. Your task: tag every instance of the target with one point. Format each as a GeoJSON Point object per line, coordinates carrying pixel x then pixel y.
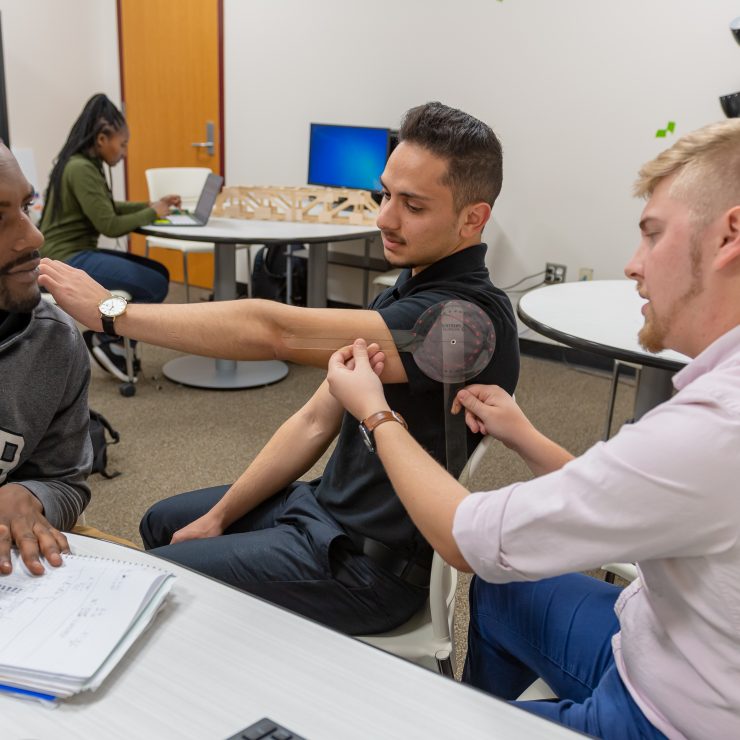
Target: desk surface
{"type": "Point", "coordinates": [601, 316]}
{"type": "Point", "coordinates": [253, 231]}
{"type": "Point", "coordinates": [216, 660]}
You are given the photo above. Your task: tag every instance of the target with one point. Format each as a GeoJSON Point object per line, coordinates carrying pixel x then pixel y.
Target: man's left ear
{"type": "Point", "coordinates": [729, 250]}
{"type": "Point", "coordinates": [476, 217]}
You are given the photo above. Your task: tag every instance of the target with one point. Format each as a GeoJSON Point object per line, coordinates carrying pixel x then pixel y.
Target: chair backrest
{"type": "Point", "coordinates": [628, 571]}
{"type": "Point", "coordinates": [426, 638]}
{"type": "Point", "coordinates": [474, 460]}
{"type": "Point", "coordinates": [187, 182]}
{"type": "Point", "coordinates": [443, 579]}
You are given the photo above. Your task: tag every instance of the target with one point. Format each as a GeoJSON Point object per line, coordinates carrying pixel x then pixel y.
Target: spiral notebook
{"type": "Point", "coordinates": [65, 631]}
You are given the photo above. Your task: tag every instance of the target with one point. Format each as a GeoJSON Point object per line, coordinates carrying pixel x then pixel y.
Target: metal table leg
{"type": "Point", "coordinates": [318, 267]}
{"type": "Point", "coordinates": [654, 387]}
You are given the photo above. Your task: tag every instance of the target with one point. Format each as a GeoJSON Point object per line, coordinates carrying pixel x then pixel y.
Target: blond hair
{"type": "Point", "coordinates": [706, 165]}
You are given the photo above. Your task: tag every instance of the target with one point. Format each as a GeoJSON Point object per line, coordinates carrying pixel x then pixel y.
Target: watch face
{"type": "Point", "coordinates": [113, 306]}
{"type": "Point", "coordinates": [367, 438]}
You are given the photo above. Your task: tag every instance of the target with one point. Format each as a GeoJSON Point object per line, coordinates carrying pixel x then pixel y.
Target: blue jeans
{"type": "Point", "coordinates": [559, 629]}
{"type": "Point", "coordinates": [146, 280]}
{"type": "Point", "coordinates": [290, 551]}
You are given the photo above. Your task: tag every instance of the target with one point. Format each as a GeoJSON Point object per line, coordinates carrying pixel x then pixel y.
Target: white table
{"type": "Point", "coordinates": [216, 660]}
{"type": "Point", "coordinates": [603, 316]}
{"type": "Point", "coordinates": [226, 233]}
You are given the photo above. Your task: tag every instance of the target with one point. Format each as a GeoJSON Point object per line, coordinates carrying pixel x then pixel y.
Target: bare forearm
{"type": "Point", "coordinates": [291, 451]}
{"type": "Point", "coordinates": [235, 330]}
{"type": "Point", "coordinates": [232, 330]}
{"type": "Point", "coordinates": [427, 491]}
{"type": "Point", "coordinates": [540, 453]}
{"type": "Point", "coordinates": [256, 330]}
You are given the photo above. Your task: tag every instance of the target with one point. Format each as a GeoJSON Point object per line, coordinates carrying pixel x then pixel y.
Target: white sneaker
{"type": "Point", "coordinates": [111, 356]}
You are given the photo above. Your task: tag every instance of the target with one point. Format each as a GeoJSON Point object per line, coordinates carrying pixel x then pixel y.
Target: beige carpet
{"type": "Point", "coordinates": [176, 439]}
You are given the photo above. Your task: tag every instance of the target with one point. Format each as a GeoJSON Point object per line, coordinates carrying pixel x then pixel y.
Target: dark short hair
{"type": "Point", "coordinates": [472, 150]}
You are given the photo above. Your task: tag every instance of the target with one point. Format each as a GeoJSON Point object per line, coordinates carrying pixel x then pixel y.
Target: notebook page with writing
{"type": "Point", "coordinates": [57, 630]}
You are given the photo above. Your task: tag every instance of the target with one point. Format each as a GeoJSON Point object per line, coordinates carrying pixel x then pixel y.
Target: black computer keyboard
{"type": "Point", "coordinates": [266, 729]}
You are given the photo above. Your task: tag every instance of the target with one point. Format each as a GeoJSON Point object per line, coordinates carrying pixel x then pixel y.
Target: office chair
{"type": "Point", "coordinates": [628, 571]}
{"type": "Point", "coordinates": [426, 638]}
{"type": "Point", "coordinates": [188, 183]}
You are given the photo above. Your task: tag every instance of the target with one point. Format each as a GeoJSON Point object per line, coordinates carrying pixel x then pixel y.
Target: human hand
{"type": "Point", "coordinates": [23, 524]}
{"type": "Point", "coordinates": [199, 529]}
{"type": "Point", "coordinates": [489, 409]}
{"type": "Point", "coordinates": [163, 206]}
{"type": "Point", "coordinates": [74, 290]}
{"type": "Point", "coordinates": [354, 381]}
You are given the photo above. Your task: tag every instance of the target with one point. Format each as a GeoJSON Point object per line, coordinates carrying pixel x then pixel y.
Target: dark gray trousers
{"type": "Point", "coordinates": [289, 551]}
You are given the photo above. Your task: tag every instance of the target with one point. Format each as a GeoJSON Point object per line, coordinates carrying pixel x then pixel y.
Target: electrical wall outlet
{"type": "Point", "coordinates": [554, 273]}
{"type": "Point", "coordinates": [586, 273]}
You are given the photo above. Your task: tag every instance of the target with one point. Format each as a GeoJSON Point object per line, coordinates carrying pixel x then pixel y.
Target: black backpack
{"type": "Point", "coordinates": [269, 275]}
{"type": "Point", "coordinates": [98, 427]}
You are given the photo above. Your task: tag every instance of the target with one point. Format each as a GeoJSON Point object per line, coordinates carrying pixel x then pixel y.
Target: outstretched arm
{"type": "Point", "coordinates": [233, 330]}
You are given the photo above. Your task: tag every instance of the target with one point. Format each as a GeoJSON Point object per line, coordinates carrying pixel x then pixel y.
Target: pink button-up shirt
{"type": "Point", "coordinates": [664, 492]}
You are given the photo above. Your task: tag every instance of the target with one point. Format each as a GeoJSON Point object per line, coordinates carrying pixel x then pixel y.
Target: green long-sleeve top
{"type": "Point", "coordinates": [87, 211]}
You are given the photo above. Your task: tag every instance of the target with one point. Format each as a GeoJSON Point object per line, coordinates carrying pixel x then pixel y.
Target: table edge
{"type": "Point", "coordinates": [164, 233]}
{"type": "Point", "coordinates": [605, 350]}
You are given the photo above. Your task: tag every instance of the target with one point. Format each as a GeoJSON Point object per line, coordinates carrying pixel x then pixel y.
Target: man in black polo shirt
{"type": "Point", "coordinates": [339, 549]}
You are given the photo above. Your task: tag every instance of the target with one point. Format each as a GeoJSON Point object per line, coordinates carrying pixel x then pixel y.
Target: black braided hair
{"type": "Point", "coordinates": [98, 116]}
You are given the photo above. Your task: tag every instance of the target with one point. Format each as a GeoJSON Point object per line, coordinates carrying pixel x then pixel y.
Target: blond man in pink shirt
{"type": "Point", "coordinates": [662, 657]}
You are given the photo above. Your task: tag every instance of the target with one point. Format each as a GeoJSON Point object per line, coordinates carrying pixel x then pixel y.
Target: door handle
{"type": "Point", "coordinates": [208, 144]}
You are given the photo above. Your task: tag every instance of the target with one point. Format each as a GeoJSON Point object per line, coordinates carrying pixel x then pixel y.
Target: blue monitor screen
{"type": "Point", "coordinates": [347, 156]}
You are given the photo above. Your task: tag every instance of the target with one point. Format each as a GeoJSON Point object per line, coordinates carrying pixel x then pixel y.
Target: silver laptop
{"type": "Point", "coordinates": [202, 212]}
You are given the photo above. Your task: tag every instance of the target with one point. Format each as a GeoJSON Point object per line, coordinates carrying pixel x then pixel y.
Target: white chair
{"type": "Point", "coordinates": [187, 182]}
{"type": "Point", "coordinates": [628, 571]}
{"type": "Point", "coordinates": [427, 638]}
{"type": "Point", "coordinates": [385, 280]}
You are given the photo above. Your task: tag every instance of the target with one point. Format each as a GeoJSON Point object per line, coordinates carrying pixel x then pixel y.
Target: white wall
{"type": "Point", "coordinates": [575, 89]}
{"type": "Point", "coordinates": [57, 54]}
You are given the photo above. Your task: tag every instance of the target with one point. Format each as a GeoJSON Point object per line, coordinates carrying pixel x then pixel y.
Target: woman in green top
{"type": "Point", "coordinates": [79, 207]}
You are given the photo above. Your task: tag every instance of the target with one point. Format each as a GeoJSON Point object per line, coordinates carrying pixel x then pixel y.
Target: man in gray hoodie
{"type": "Point", "coordinates": [45, 450]}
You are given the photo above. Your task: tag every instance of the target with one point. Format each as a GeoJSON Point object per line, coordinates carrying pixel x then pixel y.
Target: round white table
{"type": "Point", "coordinates": [226, 233]}
{"type": "Point", "coordinates": [603, 316]}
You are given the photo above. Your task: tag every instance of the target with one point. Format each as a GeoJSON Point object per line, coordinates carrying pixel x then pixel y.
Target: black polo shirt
{"type": "Point", "coordinates": [354, 488]}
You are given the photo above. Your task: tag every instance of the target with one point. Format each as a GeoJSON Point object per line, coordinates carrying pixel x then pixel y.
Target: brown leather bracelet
{"type": "Point", "coordinates": [379, 417]}
{"type": "Point", "coordinates": [368, 425]}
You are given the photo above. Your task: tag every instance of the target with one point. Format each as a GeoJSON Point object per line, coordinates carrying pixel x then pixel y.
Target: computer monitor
{"type": "Point", "coordinates": [347, 156]}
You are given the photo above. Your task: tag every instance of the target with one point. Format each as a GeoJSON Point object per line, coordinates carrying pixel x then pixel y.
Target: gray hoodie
{"type": "Point", "coordinates": [44, 418]}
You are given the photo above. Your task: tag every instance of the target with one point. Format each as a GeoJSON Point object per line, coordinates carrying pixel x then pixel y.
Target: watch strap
{"type": "Point", "coordinates": [109, 325]}
{"type": "Point", "coordinates": [379, 417]}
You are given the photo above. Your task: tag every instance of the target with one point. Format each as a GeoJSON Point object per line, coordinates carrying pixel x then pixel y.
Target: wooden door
{"type": "Point", "coordinates": [171, 82]}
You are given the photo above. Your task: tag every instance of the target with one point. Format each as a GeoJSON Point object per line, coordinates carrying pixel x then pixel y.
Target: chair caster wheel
{"type": "Point", "coordinates": [127, 389]}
